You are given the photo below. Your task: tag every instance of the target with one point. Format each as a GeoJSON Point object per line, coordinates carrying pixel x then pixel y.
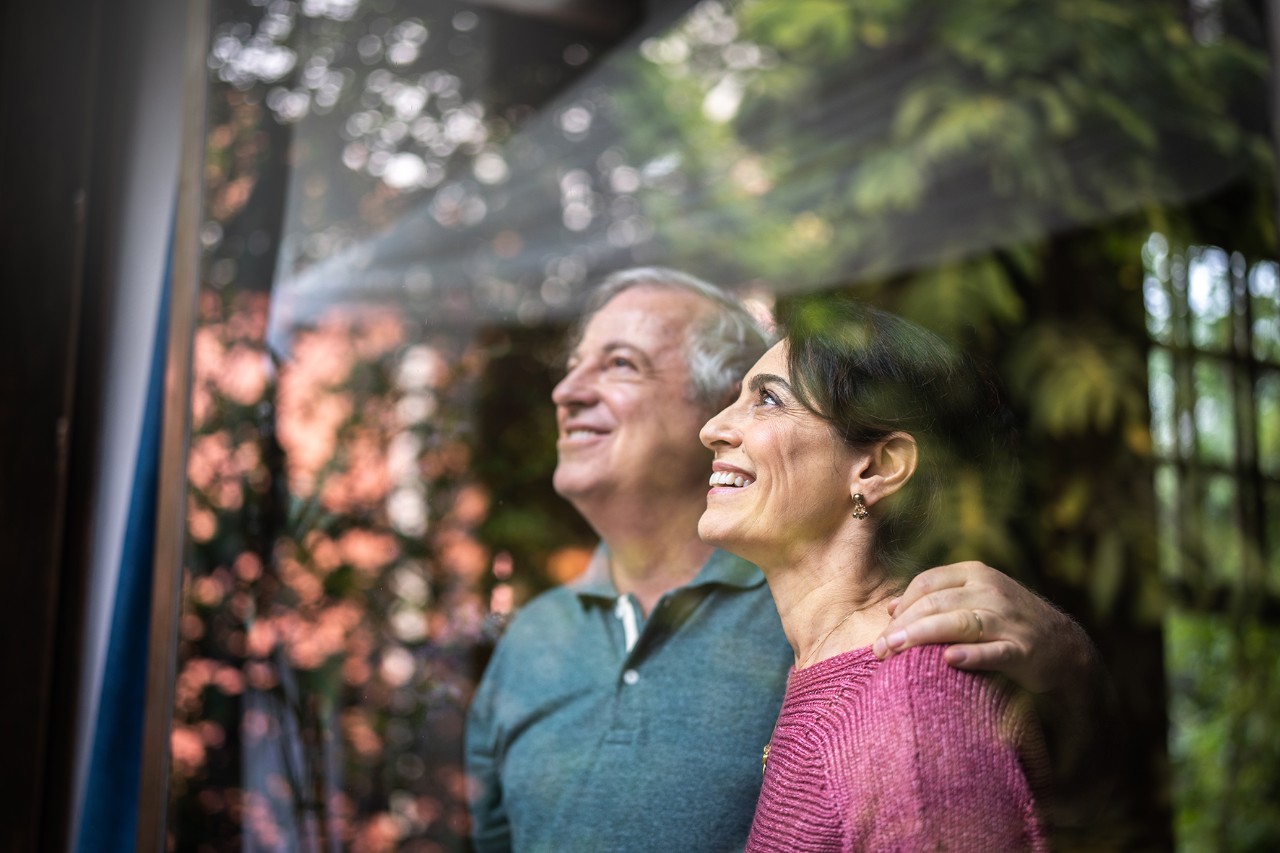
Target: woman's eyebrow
{"type": "Point", "coordinates": [762, 379]}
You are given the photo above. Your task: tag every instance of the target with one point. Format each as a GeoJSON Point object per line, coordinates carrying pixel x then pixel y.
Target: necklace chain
{"type": "Point", "coordinates": [827, 636]}
{"type": "Point", "coordinates": [764, 758]}
{"type": "Point", "coordinates": [809, 657]}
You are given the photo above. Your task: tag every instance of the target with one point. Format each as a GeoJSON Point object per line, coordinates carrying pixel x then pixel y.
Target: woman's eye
{"type": "Point", "coordinates": [768, 398]}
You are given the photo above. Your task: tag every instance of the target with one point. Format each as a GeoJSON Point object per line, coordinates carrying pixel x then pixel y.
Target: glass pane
{"type": "Point", "coordinates": [1222, 542]}
{"type": "Point", "coordinates": [1209, 298]}
{"type": "Point", "coordinates": [1161, 382]}
{"type": "Point", "coordinates": [1167, 517]}
{"type": "Point", "coordinates": [1271, 527]}
{"type": "Point", "coordinates": [1215, 416]}
{"type": "Point", "coordinates": [408, 204]}
{"type": "Point", "coordinates": [1267, 401]}
{"type": "Point", "coordinates": [1156, 292]}
{"type": "Point", "coordinates": [1264, 290]}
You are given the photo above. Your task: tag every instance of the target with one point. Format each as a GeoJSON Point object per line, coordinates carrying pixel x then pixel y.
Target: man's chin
{"type": "Point", "coordinates": [572, 485]}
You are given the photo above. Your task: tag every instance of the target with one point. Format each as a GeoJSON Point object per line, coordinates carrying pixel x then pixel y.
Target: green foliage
{"type": "Point", "coordinates": [1076, 111]}
{"type": "Point", "coordinates": [815, 28]}
{"type": "Point", "coordinates": [977, 297]}
{"type": "Point", "coordinates": [1224, 681]}
{"type": "Point", "coordinates": [1080, 382]}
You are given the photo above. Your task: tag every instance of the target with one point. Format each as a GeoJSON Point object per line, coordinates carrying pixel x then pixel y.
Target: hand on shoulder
{"type": "Point", "coordinates": [991, 622]}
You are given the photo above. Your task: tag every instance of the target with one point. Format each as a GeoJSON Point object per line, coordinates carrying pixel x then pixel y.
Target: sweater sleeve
{"type": "Point", "coordinates": [950, 760]}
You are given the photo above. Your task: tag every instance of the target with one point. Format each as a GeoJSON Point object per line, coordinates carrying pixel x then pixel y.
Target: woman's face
{"type": "Point", "coordinates": [782, 480]}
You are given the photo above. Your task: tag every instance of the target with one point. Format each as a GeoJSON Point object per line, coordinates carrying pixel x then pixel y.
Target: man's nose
{"type": "Point", "coordinates": [575, 387]}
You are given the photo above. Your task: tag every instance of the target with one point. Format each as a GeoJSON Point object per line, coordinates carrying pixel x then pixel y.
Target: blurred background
{"type": "Point", "coordinates": [277, 570]}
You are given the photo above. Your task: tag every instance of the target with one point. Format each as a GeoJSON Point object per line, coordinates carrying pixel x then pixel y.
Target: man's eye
{"type": "Point", "coordinates": [619, 362]}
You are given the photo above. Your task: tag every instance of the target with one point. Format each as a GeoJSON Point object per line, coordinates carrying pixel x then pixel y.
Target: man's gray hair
{"type": "Point", "coordinates": [721, 349]}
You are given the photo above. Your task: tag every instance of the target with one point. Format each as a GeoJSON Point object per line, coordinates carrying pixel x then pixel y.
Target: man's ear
{"type": "Point", "coordinates": [887, 467]}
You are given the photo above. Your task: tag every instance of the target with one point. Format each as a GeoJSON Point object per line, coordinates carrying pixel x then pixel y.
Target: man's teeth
{"type": "Point", "coordinates": [582, 433]}
{"type": "Point", "coordinates": [728, 478]}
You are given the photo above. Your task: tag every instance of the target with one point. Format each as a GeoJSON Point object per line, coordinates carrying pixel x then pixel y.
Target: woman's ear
{"type": "Point", "coordinates": [887, 467]}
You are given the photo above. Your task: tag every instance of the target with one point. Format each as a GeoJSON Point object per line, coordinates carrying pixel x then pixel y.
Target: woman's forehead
{"type": "Point", "coordinates": [773, 361]}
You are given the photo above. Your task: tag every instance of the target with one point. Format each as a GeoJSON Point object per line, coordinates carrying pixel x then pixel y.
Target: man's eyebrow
{"type": "Point", "coordinates": [762, 379]}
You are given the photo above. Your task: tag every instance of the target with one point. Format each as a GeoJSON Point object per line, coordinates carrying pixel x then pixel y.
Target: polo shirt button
{"type": "Point", "coordinates": [630, 676]}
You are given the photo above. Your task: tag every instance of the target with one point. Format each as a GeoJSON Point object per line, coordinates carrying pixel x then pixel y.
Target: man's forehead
{"type": "Point", "coordinates": [644, 316]}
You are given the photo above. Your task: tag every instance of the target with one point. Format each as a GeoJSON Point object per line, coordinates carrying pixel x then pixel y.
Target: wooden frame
{"type": "Point", "coordinates": [171, 510]}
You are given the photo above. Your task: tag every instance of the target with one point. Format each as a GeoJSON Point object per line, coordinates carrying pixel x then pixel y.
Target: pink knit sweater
{"type": "Point", "coordinates": [908, 754]}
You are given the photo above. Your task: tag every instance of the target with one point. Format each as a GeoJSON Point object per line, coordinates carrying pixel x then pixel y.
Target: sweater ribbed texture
{"type": "Point", "coordinates": [905, 754]}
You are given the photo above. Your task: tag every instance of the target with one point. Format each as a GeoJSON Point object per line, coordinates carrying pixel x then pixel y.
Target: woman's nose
{"type": "Point", "coordinates": [720, 430]}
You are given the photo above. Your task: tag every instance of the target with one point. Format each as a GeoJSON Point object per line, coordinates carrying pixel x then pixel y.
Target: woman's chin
{"type": "Point", "coordinates": [731, 539]}
{"type": "Point", "coordinates": [714, 534]}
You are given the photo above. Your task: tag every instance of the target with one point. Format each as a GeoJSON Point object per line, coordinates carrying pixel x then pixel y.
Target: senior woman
{"type": "Point", "coordinates": [825, 470]}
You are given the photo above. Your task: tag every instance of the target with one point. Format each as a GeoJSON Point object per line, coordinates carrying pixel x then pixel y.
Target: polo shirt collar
{"type": "Point", "coordinates": [720, 568]}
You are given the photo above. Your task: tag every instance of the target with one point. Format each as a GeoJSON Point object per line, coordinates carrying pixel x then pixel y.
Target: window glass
{"type": "Point", "coordinates": [408, 201]}
{"type": "Point", "coordinates": [1268, 401]}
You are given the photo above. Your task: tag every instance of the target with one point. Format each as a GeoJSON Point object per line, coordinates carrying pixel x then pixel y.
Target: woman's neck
{"type": "Point", "coordinates": [831, 605]}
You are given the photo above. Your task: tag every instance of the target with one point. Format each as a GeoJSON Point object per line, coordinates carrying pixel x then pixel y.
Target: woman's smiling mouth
{"type": "Point", "coordinates": [729, 478]}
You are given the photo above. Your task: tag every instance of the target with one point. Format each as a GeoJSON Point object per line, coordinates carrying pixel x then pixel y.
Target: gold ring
{"type": "Point", "coordinates": [978, 619]}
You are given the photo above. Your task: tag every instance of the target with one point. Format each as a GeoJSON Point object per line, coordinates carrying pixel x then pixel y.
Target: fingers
{"type": "Point", "coordinates": [951, 626]}
{"type": "Point", "coordinates": [949, 600]}
{"type": "Point", "coordinates": [990, 621]}
{"type": "Point", "coordinates": [997, 656]}
{"type": "Point", "coordinates": [933, 580]}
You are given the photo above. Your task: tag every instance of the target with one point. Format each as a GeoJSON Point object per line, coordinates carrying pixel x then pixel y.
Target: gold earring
{"type": "Point", "coordinates": [860, 510]}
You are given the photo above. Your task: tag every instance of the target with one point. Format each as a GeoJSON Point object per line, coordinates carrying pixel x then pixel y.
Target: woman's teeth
{"type": "Point", "coordinates": [728, 478]}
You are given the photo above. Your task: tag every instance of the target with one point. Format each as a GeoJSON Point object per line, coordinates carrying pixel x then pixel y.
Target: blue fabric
{"type": "Point", "coordinates": [574, 743]}
{"type": "Point", "coordinates": [109, 818]}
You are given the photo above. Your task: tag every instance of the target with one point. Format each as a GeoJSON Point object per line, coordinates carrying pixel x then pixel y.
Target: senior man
{"type": "Point", "coordinates": [628, 710]}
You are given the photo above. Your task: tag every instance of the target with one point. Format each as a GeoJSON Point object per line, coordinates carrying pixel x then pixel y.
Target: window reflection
{"type": "Point", "coordinates": [407, 200]}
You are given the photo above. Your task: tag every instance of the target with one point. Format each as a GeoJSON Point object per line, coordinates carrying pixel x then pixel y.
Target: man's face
{"type": "Point", "coordinates": [628, 425]}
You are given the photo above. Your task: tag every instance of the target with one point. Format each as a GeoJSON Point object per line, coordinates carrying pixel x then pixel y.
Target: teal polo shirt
{"type": "Point", "coordinates": [576, 742]}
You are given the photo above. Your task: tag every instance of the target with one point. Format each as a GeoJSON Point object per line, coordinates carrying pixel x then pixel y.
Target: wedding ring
{"type": "Point", "coordinates": [978, 619]}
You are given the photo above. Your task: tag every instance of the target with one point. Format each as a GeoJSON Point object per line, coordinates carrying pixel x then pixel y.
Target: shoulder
{"type": "Point", "coordinates": [925, 667]}
{"type": "Point", "coordinates": [948, 769]}
{"type": "Point", "coordinates": [552, 605]}
{"type": "Point", "coordinates": [550, 622]}
{"type": "Point", "coordinates": [920, 684]}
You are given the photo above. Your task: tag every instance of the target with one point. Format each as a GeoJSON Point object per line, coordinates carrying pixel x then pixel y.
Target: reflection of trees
{"type": "Point", "coordinates": [333, 596]}
{"type": "Point", "coordinates": [325, 653]}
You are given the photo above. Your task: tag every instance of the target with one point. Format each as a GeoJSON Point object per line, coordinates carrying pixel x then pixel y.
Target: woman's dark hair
{"type": "Point", "coordinates": [870, 373]}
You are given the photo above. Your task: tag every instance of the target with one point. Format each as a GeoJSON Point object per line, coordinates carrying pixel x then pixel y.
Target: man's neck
{"type": "Point", "coordinates": [653, 549]}
{"type": "Point", "coordinates": [649, 570]}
